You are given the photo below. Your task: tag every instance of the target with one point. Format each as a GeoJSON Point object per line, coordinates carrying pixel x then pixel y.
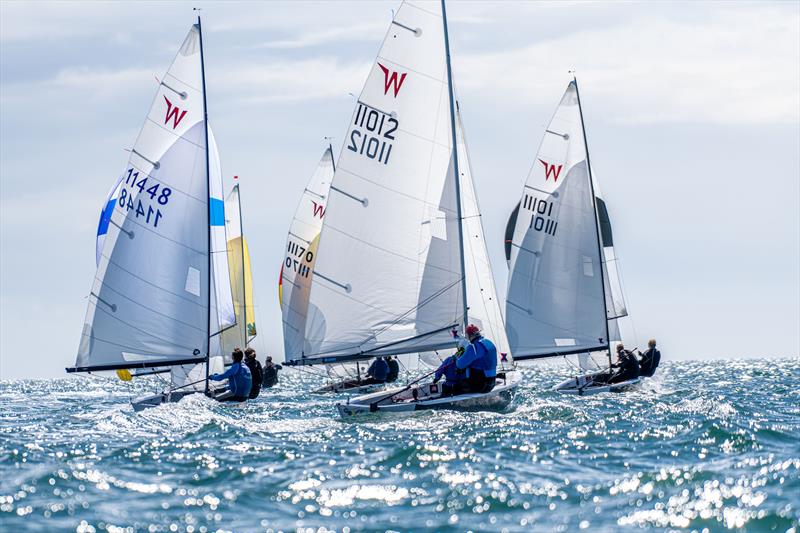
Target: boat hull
{"type": "Point", "coordinates": [426, 397]}
{"type": "Point", "coordinates": [348, 387]}
{"type": "Point", "coordinates": [587, 384]}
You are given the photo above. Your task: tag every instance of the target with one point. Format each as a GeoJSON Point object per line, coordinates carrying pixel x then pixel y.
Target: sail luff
{"type": "Point", "coordinates": [208, 199]}
{"type": "Point", "coordinates": [457, 181]}
{"type": "Point", "coordinates": [600, 251]}
{"type": "Point", "coordinates": [244, 281]}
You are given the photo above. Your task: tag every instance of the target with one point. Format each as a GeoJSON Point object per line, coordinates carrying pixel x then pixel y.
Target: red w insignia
{"type": "Point", "coordinates": [174, 113]}
{"type": "Point", "coordinates": [319, 209]}
{"type": "Point", "coordinates": [390, 80]}
{"type": "Point", "coordinates": [551, 170]}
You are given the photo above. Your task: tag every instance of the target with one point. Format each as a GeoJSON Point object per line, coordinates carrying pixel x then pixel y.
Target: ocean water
{"type": "Point", "coordinates": [707, 446]}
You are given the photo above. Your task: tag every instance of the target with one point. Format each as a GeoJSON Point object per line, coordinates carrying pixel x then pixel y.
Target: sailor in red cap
{"type": "Point", "coordinates": [479, 360]}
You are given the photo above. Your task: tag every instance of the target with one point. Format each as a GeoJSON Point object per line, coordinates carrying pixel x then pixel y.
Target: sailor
{"type": "Point", "coordinates": [377, 372]}
{"type": "Point", "coordinates": [239, 379]}
{"type": "Point", "coordinates": [480, 361]}
{"type": "Point", "coordinates": [452, 375]}
{"type": "Point", "coordinates": [627, 364]}
{"type": "Point", "coordinates": [270, 372]}
{"type": "Point", "coordinates": [650, 359]}
{"type": "Point", "coordinates": [394, 369]}
{"type": "Point", "coordinates": [255, 371]}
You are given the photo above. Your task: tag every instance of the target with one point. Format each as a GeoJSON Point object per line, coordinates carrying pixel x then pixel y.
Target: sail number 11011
{"type": "Point", "coordinates": [372, 134]}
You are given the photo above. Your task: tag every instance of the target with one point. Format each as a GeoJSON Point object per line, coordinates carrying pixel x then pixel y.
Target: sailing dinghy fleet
{"type": "Point", "coordinates": [385, 255]}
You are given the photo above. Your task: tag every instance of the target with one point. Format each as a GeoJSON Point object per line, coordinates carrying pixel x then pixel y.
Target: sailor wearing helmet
{"type": "Point", "coordinates": [480, 361]}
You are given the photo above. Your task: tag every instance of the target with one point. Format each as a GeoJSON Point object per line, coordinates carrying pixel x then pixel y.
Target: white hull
{"type": "Point", "coordinates": [428, 396]}
{"type": "Point", "coordinates": [585, 385]}
{"type": "Point", "coordinates": [153, 400]}
{"type": "Point", "coordinates": [344, 387]}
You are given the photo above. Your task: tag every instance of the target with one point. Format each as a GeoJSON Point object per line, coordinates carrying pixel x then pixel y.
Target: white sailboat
{"type": "Point", "coordinates": [297, 270]}
{"type": "Point", "coordinates": [398, 260]}
{"type": "Point", "coordinates": [564, 294]}
{"type": "Point", "coordinates": [162, 291]}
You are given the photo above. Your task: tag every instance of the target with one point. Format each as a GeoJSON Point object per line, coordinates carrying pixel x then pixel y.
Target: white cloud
{"type": "Point", "coordinates": [724, 70]}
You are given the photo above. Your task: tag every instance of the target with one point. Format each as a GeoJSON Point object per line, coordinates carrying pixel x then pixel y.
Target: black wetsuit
{"type": "Point", "coordinates": [649, 362]}
{"type": "Point", "coordinates": [628, 368]}
{"type": "Point", "coordinates": [270, 372]}
{"type": "Point", "coordinates": [257, 373]}
{"type": "Point", "coordinates": [394, 370]}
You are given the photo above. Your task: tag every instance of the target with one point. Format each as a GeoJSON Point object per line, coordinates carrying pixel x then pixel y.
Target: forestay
{"type": "Point", "coordinates": [555, 302]}
{"type": "Point", "coordinates": [149, 303]}
{"type": "Point", "coordinates": [241, 278]}
{"type": "Point", "coordinates": [484, 307]}
{"type": "Point", "coordinates": [302, 244]}
{"type": "Point", "coordinates": [387, 278]}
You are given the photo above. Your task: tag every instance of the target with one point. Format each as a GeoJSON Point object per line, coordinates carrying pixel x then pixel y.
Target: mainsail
{"type": "Point", "coordinates": [556, 301]}
{"type": "Point", "coordinates": [302, 245]}
{"type": "Point", "coordinates": [388, 276]}
{"type": "Point", "coordinates": [395, 263]}
{"type": "Point", "coordinates": [160, 291]}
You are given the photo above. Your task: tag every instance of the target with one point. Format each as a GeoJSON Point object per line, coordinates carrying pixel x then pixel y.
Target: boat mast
{"type": "Point", "coordinates": [333, 161]}
{"type": "Point", "coordinates": [600, 255]}
{"type": "Point", "coordinates": [455, 166]}
{"type": "Point", "coordinates": [208, 199]}
{"type": "Point", "coordinates": [244, 271]}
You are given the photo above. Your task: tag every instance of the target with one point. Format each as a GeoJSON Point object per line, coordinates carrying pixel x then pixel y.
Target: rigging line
{"type": "Point", "coordinates": [564, 136]}
{"type": "Point", "coordinates": [167, 183]}
{"type": "Point", "coordinates": [416, 31]}
{"type": "Point", "coordinates": [117, 265]}
{"type": "Point", "coordinates": [390, 252]}
{"type": "Point", "coordinates": [363, 201]}
{"type": "Point", "coordinates": [392, 114]}
{"type": "Point", "coordinates": [174, 77]}
{"type": "Point", "coordinates": [130, 234]}
{"type": "Point", "coordinates": [155, 164]}
{"type": "Point", "coordinates": [177, 136]}
{"type": "Point", "coordinates": [165, 341]}
{"type": "Point", "coordinates": [144, 227]}
{"type": "Point", "coordinates": [135, 302]}
{"type": "Point", "coordinates": [400, 193]}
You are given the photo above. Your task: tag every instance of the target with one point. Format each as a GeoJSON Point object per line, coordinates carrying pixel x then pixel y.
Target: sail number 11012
{"type": "Point", "coordinates": [372, 134]}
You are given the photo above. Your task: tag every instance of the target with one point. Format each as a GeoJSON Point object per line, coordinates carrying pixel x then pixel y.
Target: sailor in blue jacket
{"type": "Point", "coordinates": [239, 379]}
{"type": "Point", "coordinates": [452, 375]}
{"type": "Point", "coordinates": [480, 361]}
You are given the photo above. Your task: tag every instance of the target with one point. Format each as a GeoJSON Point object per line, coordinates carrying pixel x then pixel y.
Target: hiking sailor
{"type": "Point", "coordinates": [377, 372]}
{"type": "Point", "coordinates": [239, 379]}
{"type": "Point", "coordinates": [650, 359]}
{"type": "Point", "coordinates": [255, 371]}
{"type": "Point", "coordinates": [480, 361]}
{"type": "Point", "coordinates": [394, 369]}
{"type": "Point", "coordinates": [270, 371]}
{"type": "Point", "coordinates": [627, 364]}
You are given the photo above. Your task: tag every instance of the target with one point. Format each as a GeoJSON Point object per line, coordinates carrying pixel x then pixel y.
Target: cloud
{"type": "Point", "coordinates": [369, 32]}
{"type": "Point", "coordinates": [726, 70]}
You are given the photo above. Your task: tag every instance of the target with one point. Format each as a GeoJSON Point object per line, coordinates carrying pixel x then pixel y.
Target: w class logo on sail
{"type": "Point", "coordinates": [319, 210]}
{"type": "Point", "coordinates": [174, 113]}
{"type": "Point", "coordinates": [551, 170]}
{"type": "Point", "coordinates": [390, 80]}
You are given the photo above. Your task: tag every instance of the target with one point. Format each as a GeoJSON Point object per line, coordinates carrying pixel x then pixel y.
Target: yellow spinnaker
{"type": "Point", "coordinates": [124, 374]}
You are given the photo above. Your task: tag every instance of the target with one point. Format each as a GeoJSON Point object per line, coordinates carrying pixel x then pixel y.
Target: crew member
{"type": "Point", "coordinates": [255, 371]}
{"type": "Point", "coordinates": [452, 375]}
{"type": "Point", "coordinates": [650, 359]}
{"type": "Point", "coordinates": [627, 364]}
{"type": "Point", "coordinates": [480, 361]}
{"type": "Point", "coordinates": [239, 379]}
{"type": "Point", "coordinates": [394, 369]}
{"type": "Point", "coordinates": [270, 371]}
{"type": "Point", "coordinates": [377, 372]}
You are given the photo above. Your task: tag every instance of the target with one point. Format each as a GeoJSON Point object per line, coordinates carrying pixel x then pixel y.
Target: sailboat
{"type": "Point", "coordinates": [162, 293]}
{"type": "Point", "coordinates": [297, 270]}
{"type": "Point", "coordinates": [564, 292]}
{"type": "Point", "coordinates": [398, 260]}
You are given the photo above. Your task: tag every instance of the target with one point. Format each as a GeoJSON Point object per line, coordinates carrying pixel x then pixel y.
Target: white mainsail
{"type": "Point", "coordinates": [388, 278]}
{"type": "Point", "coordinates": [555, 302]}
{"type": "Point", "coordinates": [150, 303]}
{"type": "Point", "coordinates": [302, 245]}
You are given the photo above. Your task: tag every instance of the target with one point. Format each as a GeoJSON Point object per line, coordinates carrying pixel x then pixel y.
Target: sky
{"type": "Point", "coordinates": [692, 112]}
